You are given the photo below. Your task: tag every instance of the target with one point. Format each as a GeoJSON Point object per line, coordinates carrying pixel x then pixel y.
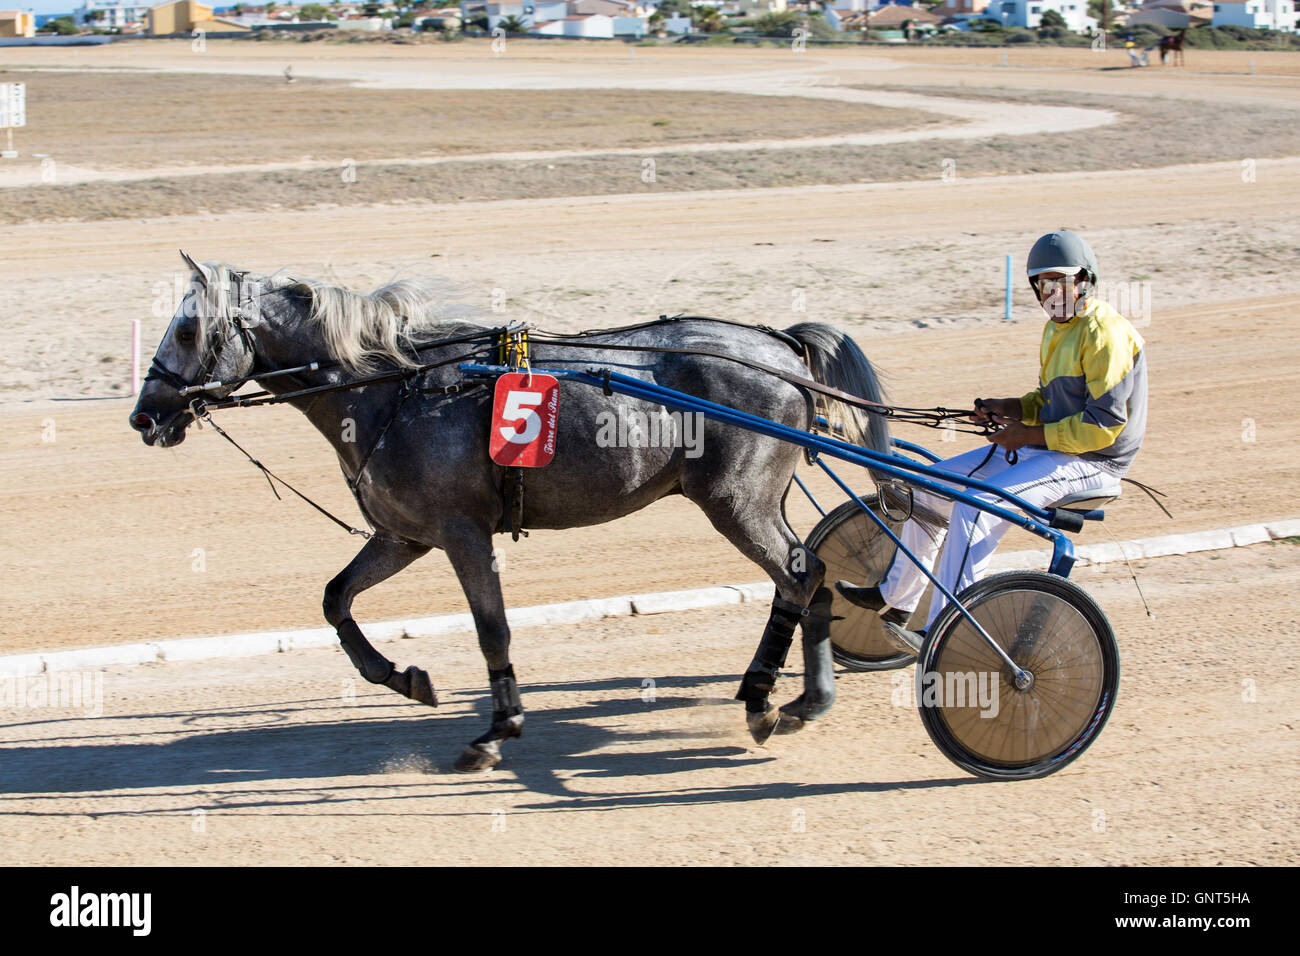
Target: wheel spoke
{"type": "Point", "coordinates": [1052, 630]}
{"type": "Point", "coordinates": [854, 549]}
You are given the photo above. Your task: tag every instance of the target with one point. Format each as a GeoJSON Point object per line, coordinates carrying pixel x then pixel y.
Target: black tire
{"type": "Point", "coordinates": [1052, 629]}
{"type": "Point", "coordinates": [855, 549]}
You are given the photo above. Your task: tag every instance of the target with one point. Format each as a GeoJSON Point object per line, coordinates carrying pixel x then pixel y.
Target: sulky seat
{"type": "Point", "coordinates": [1089, 500]}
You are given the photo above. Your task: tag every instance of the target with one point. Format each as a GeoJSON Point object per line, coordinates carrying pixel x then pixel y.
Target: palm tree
{"type": "Point", "coordinates": [708, 19]}
{"type": "Point", "coordinates": [512, 24]}
{"type": "Point", "coordinates": [1100, 9]}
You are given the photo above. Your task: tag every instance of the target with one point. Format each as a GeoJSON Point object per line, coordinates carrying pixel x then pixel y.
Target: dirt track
{"type": "Point", "coordinates": [100, 538]}
{"type": "Point", "coordinates": [286, 760]}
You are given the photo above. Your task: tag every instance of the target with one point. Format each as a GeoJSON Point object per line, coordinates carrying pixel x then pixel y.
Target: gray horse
{"type": "Point", "coordinates": [415, 453]}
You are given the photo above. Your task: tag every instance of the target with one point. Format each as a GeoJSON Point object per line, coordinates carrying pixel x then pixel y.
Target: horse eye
{"type": "Point", "coordinates": [185, 336]}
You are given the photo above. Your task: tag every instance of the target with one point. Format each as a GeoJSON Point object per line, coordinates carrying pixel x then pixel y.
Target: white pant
{"type": "Point", "coordinates": [1040, 477]}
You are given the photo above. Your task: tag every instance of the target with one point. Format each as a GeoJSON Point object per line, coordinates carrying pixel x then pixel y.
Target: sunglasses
{"type": "Point", "coordinates": [1052, 286]}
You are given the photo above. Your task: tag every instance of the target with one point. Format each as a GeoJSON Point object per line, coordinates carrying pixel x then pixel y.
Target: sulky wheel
{"type": "Point", "coordinates": [969, 702]}
{"type": "Point", "coordinates": [855, 549]}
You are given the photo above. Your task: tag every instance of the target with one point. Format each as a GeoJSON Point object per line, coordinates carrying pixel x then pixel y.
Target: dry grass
{"type": "Point", "coordinates": [141, 120]}
{"type": "Point", "coordinates": [1154, 132]}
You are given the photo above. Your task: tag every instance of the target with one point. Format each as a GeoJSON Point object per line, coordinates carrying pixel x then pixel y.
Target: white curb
{"type": "Point", "coordinates": [1284, 529]}
{"type": "Point", "coordinates": [685, 600]}
{"type": "Point", "coordinates": [96, 657]}
{"type": "Point", "coordinates": [570, 612]}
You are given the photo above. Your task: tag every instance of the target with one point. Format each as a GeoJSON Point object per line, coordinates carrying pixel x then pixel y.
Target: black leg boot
{"type": "Point", "coordinates": [819, 668]}
{"type": "Point", "coordinates": [768, 660]}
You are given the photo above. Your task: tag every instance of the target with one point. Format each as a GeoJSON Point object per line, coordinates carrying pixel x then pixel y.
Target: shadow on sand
{"type": "Point", "coordinates": [561, 744]}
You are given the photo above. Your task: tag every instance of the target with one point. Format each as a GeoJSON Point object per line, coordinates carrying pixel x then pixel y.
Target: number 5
{"type": "Point", "coordinates": [520, 405]}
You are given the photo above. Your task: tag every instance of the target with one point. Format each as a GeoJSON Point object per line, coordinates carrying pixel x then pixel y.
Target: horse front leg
{"type": "Point", "coordinates": [381, 558]}
{"type": "Point", "coordinates": [470, 551]}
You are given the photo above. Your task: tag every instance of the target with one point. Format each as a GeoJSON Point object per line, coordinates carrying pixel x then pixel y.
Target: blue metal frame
{"type": "Point", "coordinates": [804, 488]}
{"type": "Point", "coordinates": [1034, 519]}
{"type": "Point", "coordinates": [916, 449]}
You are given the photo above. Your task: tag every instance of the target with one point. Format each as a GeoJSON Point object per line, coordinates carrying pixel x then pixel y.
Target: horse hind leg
{"type": "Point", "coordinates": [819, 667]}
{"type": "Point", "coordinates": [380, 559]}
{"type": "Point", "coordinates": [764, 536]}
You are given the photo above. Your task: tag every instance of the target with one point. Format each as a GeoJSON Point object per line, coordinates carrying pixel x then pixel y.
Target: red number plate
{"type": "Point", "coordinates": [524, 415]}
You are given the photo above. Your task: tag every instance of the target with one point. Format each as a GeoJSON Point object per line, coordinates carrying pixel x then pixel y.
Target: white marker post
{"type": "Point", "coordinates": [135, 356]}
{"type": "Point", "coordinates": [13, 112]}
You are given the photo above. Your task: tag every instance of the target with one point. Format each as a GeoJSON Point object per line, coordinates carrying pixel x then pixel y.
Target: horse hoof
{"type": "Point", "coordinates": [475, 759]}
{"type": "Point", "coordinates": [800, 712]}
{"type": "Point", "coordinates": [787, 723]}
{"type": "Point", "coordinates": [761, 726]}
{"type": "Point", "coordinates": [415, 684]}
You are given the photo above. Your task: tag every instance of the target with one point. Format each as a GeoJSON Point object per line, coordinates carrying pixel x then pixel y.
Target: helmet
{"type": "Point", "coordinates": [1062, 251]}
{"type": "Point", "coordinates": [1067, 252]}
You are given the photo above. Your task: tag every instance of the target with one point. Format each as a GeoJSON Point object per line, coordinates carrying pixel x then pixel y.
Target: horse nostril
{"type": "Point", "coordinates": [141, 421]}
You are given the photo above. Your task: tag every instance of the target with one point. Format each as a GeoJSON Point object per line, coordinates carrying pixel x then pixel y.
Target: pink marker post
{"type": "Point", "coordinates": [135, 356]}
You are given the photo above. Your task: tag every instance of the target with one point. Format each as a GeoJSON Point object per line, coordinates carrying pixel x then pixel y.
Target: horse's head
{"type": "Point", "coordinates": [208, 341]}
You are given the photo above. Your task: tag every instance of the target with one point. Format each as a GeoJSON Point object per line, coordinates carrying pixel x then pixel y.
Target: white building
{"type": "Point", "coordinates": [365, 24]}
{"type": "Point", "coordinates": [528, 12]}
{"type": "Point", "coordinates": [595, 26]}
{"type": "Point", "coordinates": [610, 8]}
{"type": "Point", "coordinates": [953, 8]}
{"type": "Point", "coordinates": [1173, 14]}
{"type": "Point", "coordinates": [1029, 13]}
{"type": "Point", "coordinates": [115, 13]}
{"type": "Point", "coordinates": [1258, 14]}
{"type": "Point", "coordinates": [631, 26]}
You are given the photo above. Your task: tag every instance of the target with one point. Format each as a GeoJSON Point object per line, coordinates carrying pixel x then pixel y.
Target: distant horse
{"type": "Point", "coordinates": [416, 454]}
{"type": "Point", "coordinates": [1173, 44]}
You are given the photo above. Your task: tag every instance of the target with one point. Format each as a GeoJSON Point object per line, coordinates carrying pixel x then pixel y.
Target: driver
{"type": "Point", "coordinates": [1077, 432]}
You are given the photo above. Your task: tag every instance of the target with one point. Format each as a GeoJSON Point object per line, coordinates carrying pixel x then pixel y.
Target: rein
{"type": "Point", "coordinates": [207, 417]}
{"type": "Point", "coordinates": [936, 417]}
{"type": "Point", "coordinates": [490, 339]}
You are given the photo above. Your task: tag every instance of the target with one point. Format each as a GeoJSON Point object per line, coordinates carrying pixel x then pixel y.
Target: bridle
{"type": "Point", "coordinates": [240, 316]}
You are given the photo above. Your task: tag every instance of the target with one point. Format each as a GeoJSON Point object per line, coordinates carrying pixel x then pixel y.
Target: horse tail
{"type": "Point", "coordinates": [835, 360]}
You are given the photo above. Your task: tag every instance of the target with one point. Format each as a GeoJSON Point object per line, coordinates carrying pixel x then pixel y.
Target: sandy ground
{"type": "Point", "coordinates": [155, 516]}
{"type": "Point", "coordinates": [287, 760]}
{"type": "Point", "coordinates": [103, 537]}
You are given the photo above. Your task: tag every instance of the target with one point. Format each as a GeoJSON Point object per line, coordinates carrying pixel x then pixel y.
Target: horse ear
{"type": "Point", "coordinates": [198, 269]}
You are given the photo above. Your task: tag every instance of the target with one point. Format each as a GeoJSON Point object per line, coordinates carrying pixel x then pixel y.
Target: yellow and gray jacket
{"type": "Point", "coordinates": [1092, 394]}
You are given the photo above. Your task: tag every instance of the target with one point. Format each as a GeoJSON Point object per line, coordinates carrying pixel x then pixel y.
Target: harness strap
{"type": "Point", "coordinates": [790, 340]}
{"type": "Point", "coordinates": [512, 352]}
{"type": "Point", "coordinates": [354, 483]}
{"type": "Point", "coordinates": [270, 474]}
{"type": "Point", "coordinates": [1151, 493]}
{"type": "Point", "coordinates": [485, 336]}
{"type": "Point", "coordinates": [934, 417]}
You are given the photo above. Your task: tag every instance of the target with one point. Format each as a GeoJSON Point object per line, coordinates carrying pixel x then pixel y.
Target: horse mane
{"type": "Point", "coordinates": [360, 330]}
